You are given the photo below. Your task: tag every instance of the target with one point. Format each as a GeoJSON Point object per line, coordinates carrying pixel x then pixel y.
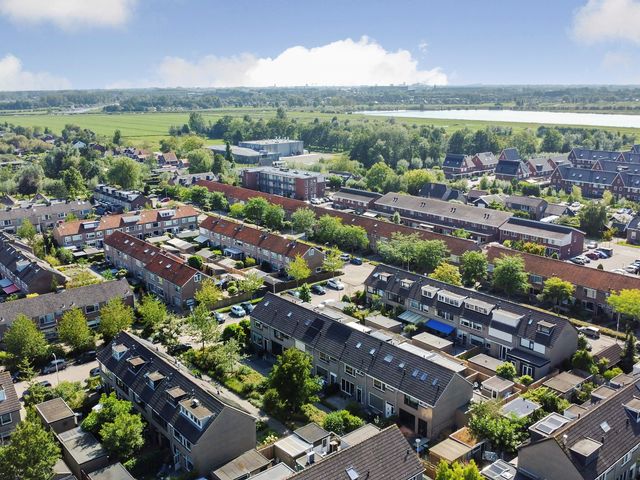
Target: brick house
{"type": "Point", "coordinates": [353, 198]}
{"type": "Point", "coordinates": [141, 224]}
{"type": "Point", "coordinates": [564, 241]}
{"type": "Point", "coordinates": [165, 275]}
{"type": "Point", "coordinates": [43, 216]}
{"type": "Point", "coordinates": [9, 408]}
{"type": "Point", "coordinates": [286, 182]}
{"type": "Point", "coordinates": [265, 247]}
{"type": "Point", "coordinates": [121, 200]}
{"type": "Point", "coordinates": [534, 206]}
{"type": "Point", "coordinates": [584, 157]}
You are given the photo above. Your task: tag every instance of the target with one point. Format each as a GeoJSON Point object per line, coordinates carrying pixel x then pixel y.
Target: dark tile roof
{"type": "Point", "coordinates": [511, 154]}
{"type": "Point", "coordinates": [487, 159]}
{"type": "Point", "coordinates": [542, 226]}
{"type": "Point", "coordinates": [311, 433]}
{"type": "Point", "coordinates": [11, 402]}
{"type": "Point", "coordinates": [587, 154]}
{"type": "Point", "coordinates": [634, 223]}
{"type": "Point", "coordinates": [526, 327]}
{"type": "Point", "coordinates": [440, 191]}
{"type": "Point", "coordinates": [156, 361]}
{"type": "Point", "coordinates": [526, 201]}
{"type": "Point", "coordinates": [35, 307]}
{"type": "Point", "coordinates": [454, 160]}
{"type": "Point", "coordinates": [510, 167]}
{"type": "Point", "coordinates": [356, 348]}
{"type": "Point", "coordinates": [621, 432]}
{"type": "Point", "coordinates": [42, 209]}
{"type": "Point", "coordinates": [557, 209]}
{"type": "Point", "coordinates": [384, 456]}
{"type": "Point", "coordinates": [586, 175]}
{"type": "Point", "coordinates": [615, 166]}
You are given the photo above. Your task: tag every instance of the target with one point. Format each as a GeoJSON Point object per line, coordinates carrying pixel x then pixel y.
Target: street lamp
{"type": "Point", "coordinates": [55, 359]}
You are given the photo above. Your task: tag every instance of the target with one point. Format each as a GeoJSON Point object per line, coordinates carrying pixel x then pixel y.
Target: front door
{"type": "Point", "coordinates": [359, 395]}
{"type": "Point", "coordinates": [422, 427]}
{"type": "Point", "coordinates": [333, 378]}
{"type": "Point", "coordinates": [407, 419]}
{"type": "Point", "coordinates": [389, 410]}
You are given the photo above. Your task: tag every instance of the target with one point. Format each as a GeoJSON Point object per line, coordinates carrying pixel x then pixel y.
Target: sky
{"type": "Point", "coordinates": [81, 44]}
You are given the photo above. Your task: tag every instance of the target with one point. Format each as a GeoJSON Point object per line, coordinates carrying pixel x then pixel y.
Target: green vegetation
{"type": "Point", "coordinates": [458, 471]}
{"type": "Point", "coordinates": [290, 383]}
{"type": "Point", "coordinates": [506, 370]}
{"type": "Point", "coordinates": [341, 422]}
{"type": "Point", "coordinates": [445, 272]}
{"type": "Point", "coordinates": [509, 275]}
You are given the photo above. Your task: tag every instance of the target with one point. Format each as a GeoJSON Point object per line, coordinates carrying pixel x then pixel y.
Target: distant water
{"type": "Point", "coordinates": [545, 118]}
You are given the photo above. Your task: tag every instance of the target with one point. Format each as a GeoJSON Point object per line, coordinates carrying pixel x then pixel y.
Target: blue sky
{"type": "Point", "coordinates": [139, 43]}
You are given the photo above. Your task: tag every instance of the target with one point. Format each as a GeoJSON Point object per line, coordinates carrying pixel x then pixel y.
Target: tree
{"type": "Point", "coordinates": [378, 175]}
{"type": "Point", "coordinates": [332, 262]}
{"type": "Point", "coordinates": [200, 160]}
{"type": "Point", "coordinates": [203, 326]}
{"type": "Point", "coordinates": [552, 141]}
{"type": "Point", "coordinates": [251, 283]}
{"type": "Point", "coordinates": [626, 302]}
{"type": "Point", "coordinates": [486, 421]}
{"type": "Point", "coordinates": [305, 293]}
{"type": "Point", "coordinates": [291, 378]}
{"type": "Point", "coordinates": [31, 454]}
{"type": "Point", "coordinates": [73, 182]}
{"type": "Point", "coordinates": [218, 164]}
{"type": "Point", "coordinates": [431, 253]}
{"type": "Point", "coordinates": [30, 179]}
{"type": "Point", "coordinates": [557, 291]}
{"type": "Point", "coordinates": [236, 210]}
{"type": "Point", "coordinates": [125, 172]}
{"type": "Point", "coordinates": [153, 312]}
{"type": "Point", "coordinates": [473, 266]}
{"type": "Point", "coordinates": [71, 392]}
{"type": "Point", "coordinates": [195, 261]}
{"type": "Point", "coordinates": [218, 201]}
{"type": "Point", "coordinates": [593, 218]}
{"type": "Point", "coordinates": [396, 218]}
{"type": "Point", "coordinates": [341, 422]}
{"type": "Point", "coordinates": [417, 178]}
{"type": "Point", "coordinates": [582, 360]}
{"type": "Point", "coordinates": [461, 233]}
{"type": "Point", "coordinates": [506, 370]}
{"type": "Point", "coordinates": [298, 269]}
{"type": "Point", "coordinates": [26, 231]}
{"type": "Point", "coordinates": [510, 276]}
{"type": "Point", "coordinates": [255, 209]}
{"type": "Point", "coordinates": [235, 331]}
{"type": "Point", "coordinates": [445, 272]}
{"type": "Point", "coordinates": [628, 358]}
{"type": "Point", "coordinates": [123, 437]}
{"type": "Point", "coordinates": [273, 217]}
{"type": "Point", "coordinates": [115, 317]}
{"type": "Point", "coordinates": [23, 340]}
{"type": "Point", "coordinates": [199, 195]}
{"type": "Point", "coordinates": [458, 471]}
{"type": "Point", "coordinates": [228, 156]}
{"type": "Point", "coordinates": [74, 331]}
{"type": "Point", "coordinates": [208, 294]}
{"type": "Point", "coordinates": [117, 137]}
{"type": "Point", "coordinates": [110, 408]}
{"type": "Point", "coordinates": [547, 399]}
{"type": "Point", "coordinates": [303, 220]}
{"type": "Point", "coordinates": [197, 123]}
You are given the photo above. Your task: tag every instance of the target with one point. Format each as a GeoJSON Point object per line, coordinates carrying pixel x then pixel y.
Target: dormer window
{"type": "Point", "coordinates": [136, 363]}
{"type": "Point", "coordinates": [405, 283]}
{"type": "Point", "coordinates": [154, 379]}
{"type": "Point", "coordinates": [118, 351]}
{"type": "Point", "coordinates": [197, 413]}
{"type": "Point", "coordinates": [545, 328]}
{"type": "Point", "coordinates": [3, 394]}
{"type": "Point", "coordinates": [174, 395]}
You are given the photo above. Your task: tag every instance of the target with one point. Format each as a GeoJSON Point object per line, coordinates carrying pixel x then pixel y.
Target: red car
{"type": "Point", "coordinates": [592, 255]}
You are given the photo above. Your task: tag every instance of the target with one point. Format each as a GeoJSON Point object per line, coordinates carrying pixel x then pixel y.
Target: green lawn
{"type": "Point", "coordinates": [149, 128]}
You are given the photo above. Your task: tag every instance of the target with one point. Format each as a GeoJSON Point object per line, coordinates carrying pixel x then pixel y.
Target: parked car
{"type": "Point", "coordinates": [238, 311]}
{"type": "Point", "coordinates": [54, 366]}
{"type": "Point", "coordinates": [607, 251]}
{"type": "Point", "coordinates": [18, 376]}
{"type": "Point", "coordinates": [335, 284]}
{"type": "Point", "coordinates": [318, 289]}
{"type": "Point", "coordinates": [94, 372]}
{"type": "Point", "coordinates": [356, 261]}
{"type": "Point", "coordinates": [345, 256]}
{"type": "Point", "coordinates": [219, 317]}
{"type": "Point", "coordinates": [631, 268]}
{"type": "Point", "coordinates": [619, 270]}
{"type": "Point", "coordinates": [601, 254]}
{"type": "Point", "coordinates": [592, 255]}
{"type": "Point", "coordinates": [247, 306]}
{"type": "Point", "coordinates": [179, 349]}
{"type": "Point", "coordinates": [86, 357]}
{"type": "Point", "coordinates": [592, 245]}
{"type": "Point", "coordinates": [591, 332]}
{"type": "Point", "coordinates": [578, 260]}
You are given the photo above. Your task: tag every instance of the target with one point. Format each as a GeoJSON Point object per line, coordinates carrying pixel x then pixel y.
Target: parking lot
{"type": "Point", "coordinates": [353, 279]}
{"type": "Point", "coordinates": [623, 255]}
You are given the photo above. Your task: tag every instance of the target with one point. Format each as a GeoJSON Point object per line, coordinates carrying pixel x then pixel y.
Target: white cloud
{"type": "Point", "coordinates": [607, 20]}
{"type": "Point", "coordinates": [344, 62]}
{"type": "Point", "coordinates": [13, 77]}
{"type": "Point", "coordinates": [617, 60]}
{"type": "Point", "coordinates": [69, 14]}
{"type": "Point", "coordinates": [423, 47]}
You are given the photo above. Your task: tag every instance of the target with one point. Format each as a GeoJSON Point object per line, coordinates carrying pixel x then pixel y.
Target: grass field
{"type": "Point", "coordinates": [148, 128]}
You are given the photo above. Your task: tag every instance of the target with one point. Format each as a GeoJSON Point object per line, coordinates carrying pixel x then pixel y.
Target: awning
{"type": "Point", "coordinates": [201, 239]}
{"type": "Point", "coordinates": [439, 326]}
{"type": "Point", "coordinates": [10, 289]}
{"type": "Point", "coordinates": [5, 282]}
{"type": "Point", "coordinates": [411, 317]}
{"type": "Point", "coordinates": [232, 251]}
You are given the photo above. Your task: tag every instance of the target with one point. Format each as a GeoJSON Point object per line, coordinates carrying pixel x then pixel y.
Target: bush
{"type": "Point", "coordinates": [232, 290]}
{"type": "Point", "coordinates": [613, 372]}
{"type": "Point", "coordinates": [195, 261]}
{"type": "Point", "coordinates": [239, 265]}
{"type": "Point", "coordinates": [341, 422]}
{"type": "Point", "coordinates": [506, 370]}
{"type": "Point", "coordinates": [409, 328]}
{"type": "Point", "coordinates": [313, 413]}
{"type": "Point", "coordinates": [525, 380]}
{"type": "Point", "coordinates": [249, 262]}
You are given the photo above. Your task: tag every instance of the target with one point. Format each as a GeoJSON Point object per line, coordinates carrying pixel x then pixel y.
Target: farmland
{"type": "Point", "coordinates": [147, 129]}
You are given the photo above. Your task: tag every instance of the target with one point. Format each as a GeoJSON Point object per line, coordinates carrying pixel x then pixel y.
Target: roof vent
{"type": "Point", "coordinates": [195, 403]}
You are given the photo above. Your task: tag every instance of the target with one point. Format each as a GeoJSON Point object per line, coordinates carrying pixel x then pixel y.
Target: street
{"type": "Point", "coordinates": [73, 373]}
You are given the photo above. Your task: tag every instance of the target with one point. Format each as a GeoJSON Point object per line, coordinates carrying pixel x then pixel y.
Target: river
{"type": "Point", "coordinates": [517, 116]}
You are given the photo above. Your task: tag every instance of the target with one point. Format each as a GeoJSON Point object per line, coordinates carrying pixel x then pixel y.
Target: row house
{"type": "Point", "coordinates": [354, 199]}
{"type": "Point", "coordinates": [536, 342]}
{"type": "Point", "coordinates": [377, 229]}
{"type": "Point", "coordinates": [141, 224]}
{"type": "Point", "coordinates": [563, 241]}
{"type": "Point", "coordinates": [121, 200]}
{"type": "Point", "coordinates": [444, 217]}
{"type": "Point", "coordinates": [511, 167]}
{"type": "Point", "coordinates": [240, 240]}
{"type": "Point", "coordinates": [202, 429]}
{"type": "Point", "coordinates": [286, 182]}
{"type": "Point", "coordinates": [456, 165]}
{"type": "Point", "coordinates": [601, 443]}
{"type": "Point", "coordinates": [585, 158]}
{"type": "Point", "coordinates": [43, 216]}
{"type": "Point", "coordinates": [633, 231]}
{"type": "Point", "coordinates": [622, 183]}
{"type": "Point", "coordinates": [46, 310]}
{"type": "Point", "coordinates": [23, 272]}
{"type": "Point", "coordinates": [441, 191]}
{"type": "Point", "coordinates": [189, 179]}
{"type": "Point", "coordinates": [422, 390]}
{"type": "Point", "coordinates": [543, 167]}
{"type": "Point", "coordinates": [592, 286]}
{"type": "Point", "coordinates": [9, 407]}
{"type": "Point", "coordinates": [137, 154]}
{"type": "Point", "coordinates": [165, 275]}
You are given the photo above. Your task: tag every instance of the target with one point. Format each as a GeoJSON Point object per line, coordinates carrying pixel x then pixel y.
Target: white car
{"type": "Point", "coordinates": [238, 311]}
{"type": "Point", "coordinates": [335, 284]}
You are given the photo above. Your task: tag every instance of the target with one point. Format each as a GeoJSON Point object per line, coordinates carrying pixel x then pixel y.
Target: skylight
{"type": "Point", "coordinates": [358, 345]}
{"type": "Point", "coordinates": [605, 426]}
{"type": "Point", "coordinates": [388, 358]}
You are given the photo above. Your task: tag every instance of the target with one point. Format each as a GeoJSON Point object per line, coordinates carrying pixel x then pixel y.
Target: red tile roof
{"type": "Point", "coordinates": [165, 265]}
{"type": "Point", "coordinates": [570, 272]}
{"type": "Point", "coordinates": [110, 222]}
{"type": "Point", "coordinates": [256, 237]}
{"type": "Point", "coordinates": [374, 227]}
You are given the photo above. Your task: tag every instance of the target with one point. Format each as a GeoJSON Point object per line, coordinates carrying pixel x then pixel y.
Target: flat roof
{"type": "Point", "coordinates": [361, 434]}
{"type": "Point", "coordinates": [484, 360]}
{"type": "Point", "coordinates": [112, 472]}
{"type": "Point", "coordinates": [432, 340]}
{"type": "Point", "coordinates": [242, 465]}
{"type": "Point", "coordinates": [520, 407]}
{"type": "Point", "coordinates": [450, 450]}
{"type": "Point", "coordinates": [564, 382]}
{"type": "Point", "coordinates": [382, 321]}
{"type": "Point", "coordinates": [54, 410]}
{"type": "Point", "coordinates": [82, 446]}
{"type": "Point", "coordinates": [278, 472]}
{"type": "Point", "coordinates": [293, 445]}
{"type": "Point", "coordinates": [497, 384]}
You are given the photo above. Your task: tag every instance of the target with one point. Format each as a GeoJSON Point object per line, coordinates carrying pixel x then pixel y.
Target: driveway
{"type": "Point", "coordinates": [353, 279]}
{"type": "Point", "coordinates": [73, 373]}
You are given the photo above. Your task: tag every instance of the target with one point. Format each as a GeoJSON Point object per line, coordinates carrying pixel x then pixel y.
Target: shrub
{"type": "Point", "coordinates": [506, 370]}
{"type": "Point", "coordinates": [525, 380]}
{"type": "Point", "coordinates": [195, 261]}
{"type": "Point", "coordinates": [613, 372]}
{"type": "Point", "coordinates": [239, 265]}
{"type": "Point", "coordinates": [341, 422]}
{"type": "Point", "coordinates": [249, 262]}
{"type": "Point", "coordinates": [410, 328]}
{"type": "Point", "coordinates": [232, 289]}
{"type": "Point", "coordinates": [313, 413]}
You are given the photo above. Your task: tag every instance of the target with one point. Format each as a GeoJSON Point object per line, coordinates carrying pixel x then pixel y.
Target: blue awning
{"type": "Point", "coordinates": [439, 326]}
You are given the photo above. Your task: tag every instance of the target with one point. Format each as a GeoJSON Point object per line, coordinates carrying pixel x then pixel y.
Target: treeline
{"type": "Point", "coordinates": [332, 98]}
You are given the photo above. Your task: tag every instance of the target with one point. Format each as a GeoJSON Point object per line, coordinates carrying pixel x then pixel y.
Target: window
{"type": "Point", "coordinates": [324, 357]}
{"type": "Point", "coordinates": [258, 325]}
{"type": "Point", "coordinates": [349, 370]}
{"type": "Point", "coordinates": [5, 419]}
{"type": "Point", "coordinates": [379, 385]}
{"type": "Point", "coordinates": [410, 402]}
